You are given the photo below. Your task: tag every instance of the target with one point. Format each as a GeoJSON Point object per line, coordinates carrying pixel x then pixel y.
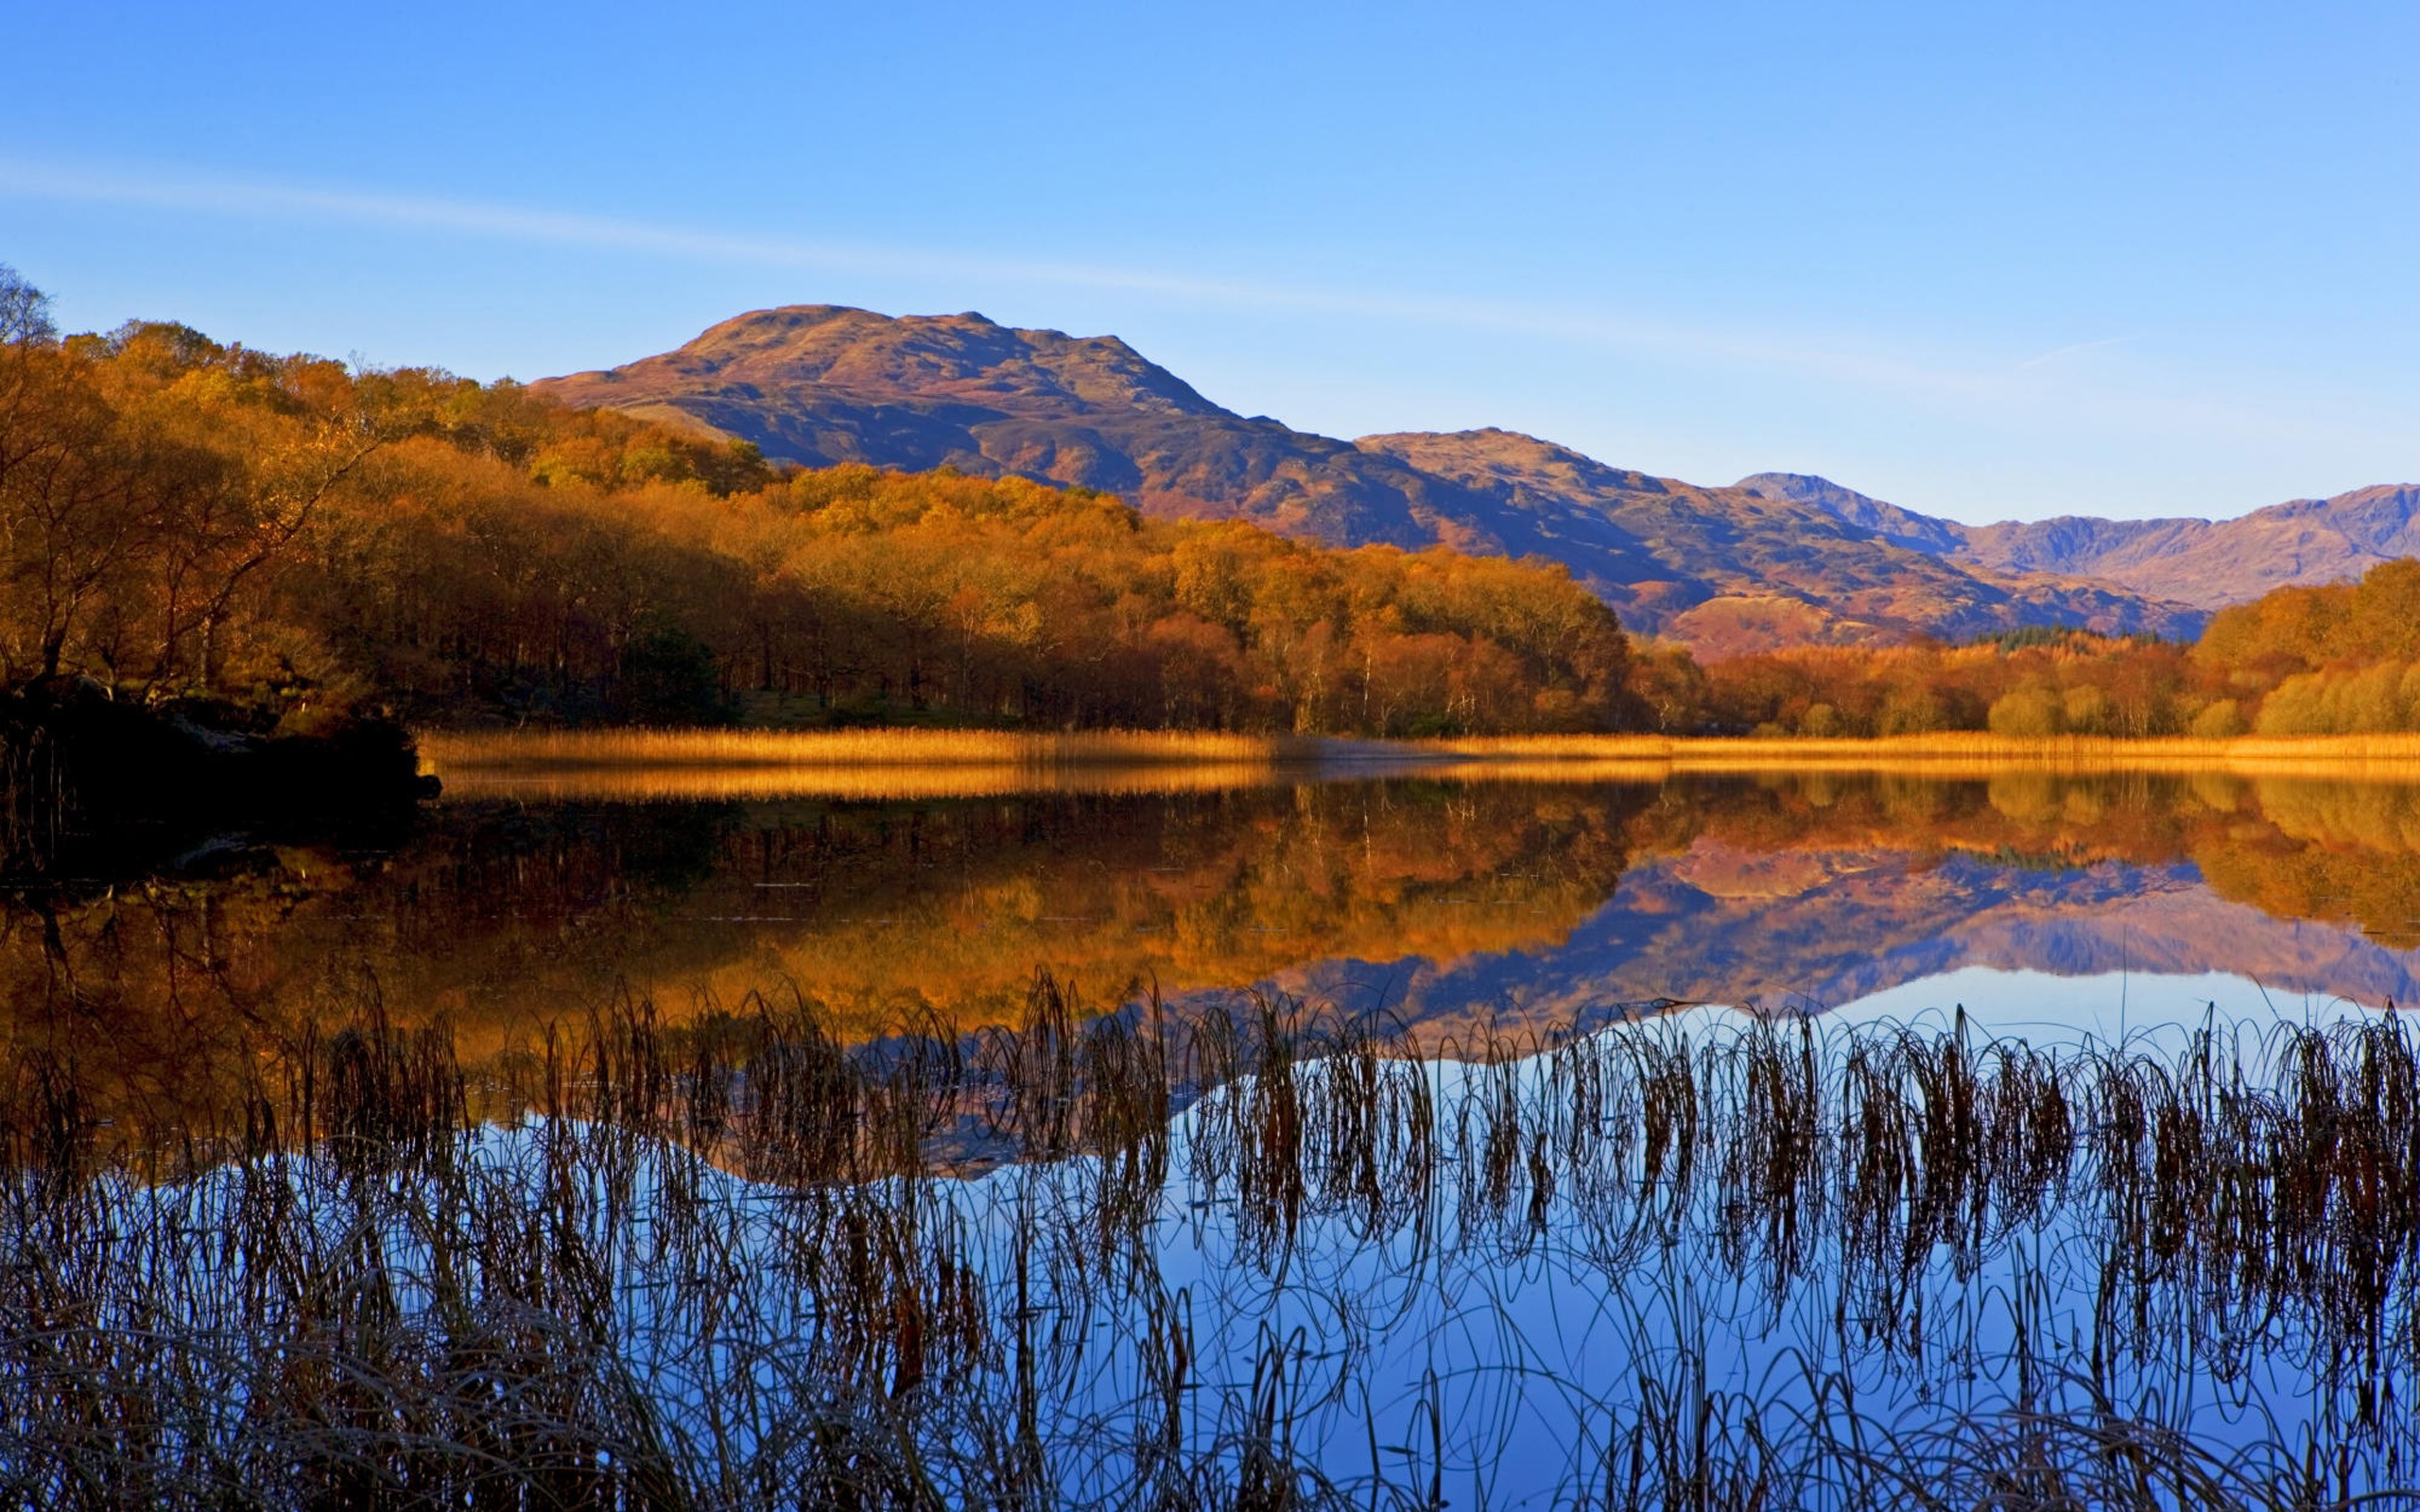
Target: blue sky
{"type": "Point", "coordinates": [1986, 260]}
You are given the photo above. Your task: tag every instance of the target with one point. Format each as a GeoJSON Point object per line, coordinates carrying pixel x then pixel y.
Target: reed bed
{"type": "Point", "coordinates": [700, 783]}
{"type": "Point", "coordinates": [1954, 753]}
{"type": "Point", "coordinates": [445, 751]}
{"type": "Point", "coordinates": [670, 765]}
{"type": "Point", "coordinates": [746, 1263]}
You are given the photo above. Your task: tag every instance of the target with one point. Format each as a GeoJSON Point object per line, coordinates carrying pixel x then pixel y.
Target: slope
{"type": "Point", "coordinates": [1729, 570]}
{"type": "Point", "coordinates": [1723, 568]}
{"type": "Point", "coordinates": [2206, 563]}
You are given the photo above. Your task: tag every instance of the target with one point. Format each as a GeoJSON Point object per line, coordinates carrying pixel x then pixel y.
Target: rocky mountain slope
{"type": "Point", "coordinates": [1776, 559]}
{"type": "Point", "coordinates": [1820, 928]}
{"type": "Point", "coordinates": [822, 383]}
{"type": "Point", "coordinates": [1726, 570]}
{"type": "Point", "coordinates": [2204, 562]}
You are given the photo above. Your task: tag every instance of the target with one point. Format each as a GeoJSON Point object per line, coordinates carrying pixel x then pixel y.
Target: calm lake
{"type": "Point", "coordinates": [1456, 907]}
{"type": "Point", "coordinates": [1551, 1206]}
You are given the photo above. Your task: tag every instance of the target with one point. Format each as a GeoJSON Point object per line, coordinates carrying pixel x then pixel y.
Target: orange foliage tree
{"type": "Point", "coordinates": [180, 518]}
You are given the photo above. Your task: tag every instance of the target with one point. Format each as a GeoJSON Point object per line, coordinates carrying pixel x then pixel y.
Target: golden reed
{"type": "Point", "coordinates": [1960, 753]}
{"type": "Point", "coordinates": [732, 764]}
{"type": "Point", "coordinates": [444, 750]}
{"type": "Point", "coordinates": [699, 782]}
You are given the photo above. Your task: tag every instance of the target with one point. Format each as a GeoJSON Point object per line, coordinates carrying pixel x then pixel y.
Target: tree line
{"type": "Point", "coordinates": [2340, 658]}
{"type": "Point", "coordinates": [300, 539]}
{"type": "Point", "coordinates": [181, 518]}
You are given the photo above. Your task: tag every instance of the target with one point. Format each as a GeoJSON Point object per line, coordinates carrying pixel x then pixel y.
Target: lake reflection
{"type": "Point", "coordinates": [1460, 907]}
{"type": "Point", "coordinates": [1691, 1246]}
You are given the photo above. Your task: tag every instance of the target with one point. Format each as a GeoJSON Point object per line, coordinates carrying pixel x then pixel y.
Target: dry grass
{"type": "Point", "coordinates": [694, 784]}
{"type": "Point", "coordinates": [671, 764]}
{"type": "Point", "coordinates": [444, 751]}
{"type": "Point", "coordinates": [1955, 753]}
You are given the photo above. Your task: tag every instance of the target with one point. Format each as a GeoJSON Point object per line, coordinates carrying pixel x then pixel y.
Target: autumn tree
{"type": "Point", "coordinates": [86, 497]}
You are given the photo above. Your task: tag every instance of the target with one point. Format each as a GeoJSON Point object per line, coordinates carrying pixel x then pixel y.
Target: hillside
{"type": "Point", "coordinates": [819, 385]}
{"type": "Point", "coordinates": [257, 546]}
{"type": "Point", "coordinates": [2206, 563]}
{"type": "Point", "coordinates": [1726, 570]}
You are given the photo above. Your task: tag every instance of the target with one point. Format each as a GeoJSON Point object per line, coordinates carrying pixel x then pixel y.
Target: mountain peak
{"type": "Point", "coordinates": [1806, 487]}
{"type": "Point", "coordinates": [837, 349]}
{"type": "Point", "coordinates": [1901, 527]}
{"type": "Point", "coordinates": [1775, 559]}
{"type": "Point", "coordinates": [1506, 458]}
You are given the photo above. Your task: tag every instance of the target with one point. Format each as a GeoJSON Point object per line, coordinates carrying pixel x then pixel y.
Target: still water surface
{"type": "Point", "coordinates": [1496, 1297]}
{"type": "Point", "coordinates": [1455, 908]}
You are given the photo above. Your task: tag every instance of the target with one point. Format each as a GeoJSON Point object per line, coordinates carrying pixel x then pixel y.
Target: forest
{"type": "Point", "coordinates": [294, 541]}
{"type": "Point", "coordinates": [186, 520]}
{"type": "Point", "coordinates": [2342, 658]}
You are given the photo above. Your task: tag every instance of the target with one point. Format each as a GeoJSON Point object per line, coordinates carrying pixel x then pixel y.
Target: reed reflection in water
{"type": "Point", "coordinates": [1453, 906]}
{"type": "Point", "coordinates": [721, 1152]}
{"type": "Point", "coordinates": [1258, 1258]}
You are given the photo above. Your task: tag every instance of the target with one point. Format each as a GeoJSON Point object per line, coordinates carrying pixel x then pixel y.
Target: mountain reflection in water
{"type": "Point", "coordinates": [1455, 906]}
{"type": "Point", "coordinates": [265, 1127]}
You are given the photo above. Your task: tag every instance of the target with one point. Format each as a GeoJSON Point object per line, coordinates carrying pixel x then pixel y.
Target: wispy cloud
{"type": "Point", "coordinates": [1993, 387]}
{"type": "Point", "coordinates": [258, 199]}
{"type": "Point", "coordinates": [2074, 349]}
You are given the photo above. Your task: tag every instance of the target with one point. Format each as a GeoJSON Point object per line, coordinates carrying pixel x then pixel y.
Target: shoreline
{"type": "Point", "coordinates": [92, 788]}
{"type": "Point", "coordinates": [737, 762]}
{"type": "Point", "coordinates": [1965, 753]}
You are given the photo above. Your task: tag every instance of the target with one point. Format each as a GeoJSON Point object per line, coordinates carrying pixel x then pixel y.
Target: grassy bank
{"type": "Point", "coordinates": [1953, 754]}
{"type": "Point", "coordinates": [623, 765]}
{"type": "Point", "coordinates": [637, 763]}
{"type": "Point", "coordinates": [848, 748]}
{"type": "Point", "coordinates": [765, 782]}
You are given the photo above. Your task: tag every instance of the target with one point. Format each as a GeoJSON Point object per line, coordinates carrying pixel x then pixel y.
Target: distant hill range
{"type": "Point", "coordinates": [1777, 558]}
{"type": "Point", "coordinates": [2204, 562]}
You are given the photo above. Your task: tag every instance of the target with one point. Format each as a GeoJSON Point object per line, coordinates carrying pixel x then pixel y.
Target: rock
{"type": "Point", "coordinates": [89, 781]}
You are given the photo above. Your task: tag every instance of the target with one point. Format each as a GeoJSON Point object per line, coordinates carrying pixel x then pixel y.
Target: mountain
{"type": "Point", "coordinates": [819, 384]}
{"type": "Point", "coordinates": [1824, 927]}
{"type": "Point", "coordinates": [1726, 570]}
{"type": "Point", "coordinates": [2203, 562]}
{"type": "Point", "coordinates": [1723, 568]}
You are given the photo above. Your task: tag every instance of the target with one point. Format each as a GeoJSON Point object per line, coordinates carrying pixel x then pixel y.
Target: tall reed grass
{"type": "Point", "coordinates": [744, 1263]}
{"type": "Point", "coordinates": [1966, 753]}
{"type": "Point", "coordinates": [458, 750]}
{"type": "Point", "coordinates": [694, 783]}
{"type": "Point", "coordinates": [719, 764]}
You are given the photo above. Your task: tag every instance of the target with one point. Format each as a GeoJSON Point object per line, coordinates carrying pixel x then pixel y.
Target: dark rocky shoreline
{"type": "Point", "coordinates": [92, 786]}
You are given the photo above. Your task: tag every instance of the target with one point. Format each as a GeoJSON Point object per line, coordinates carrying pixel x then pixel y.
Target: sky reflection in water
{"type": "Point", "coordinates": [1504, 917]}
{"type": "Point", "coordinates": [1456, 909]}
